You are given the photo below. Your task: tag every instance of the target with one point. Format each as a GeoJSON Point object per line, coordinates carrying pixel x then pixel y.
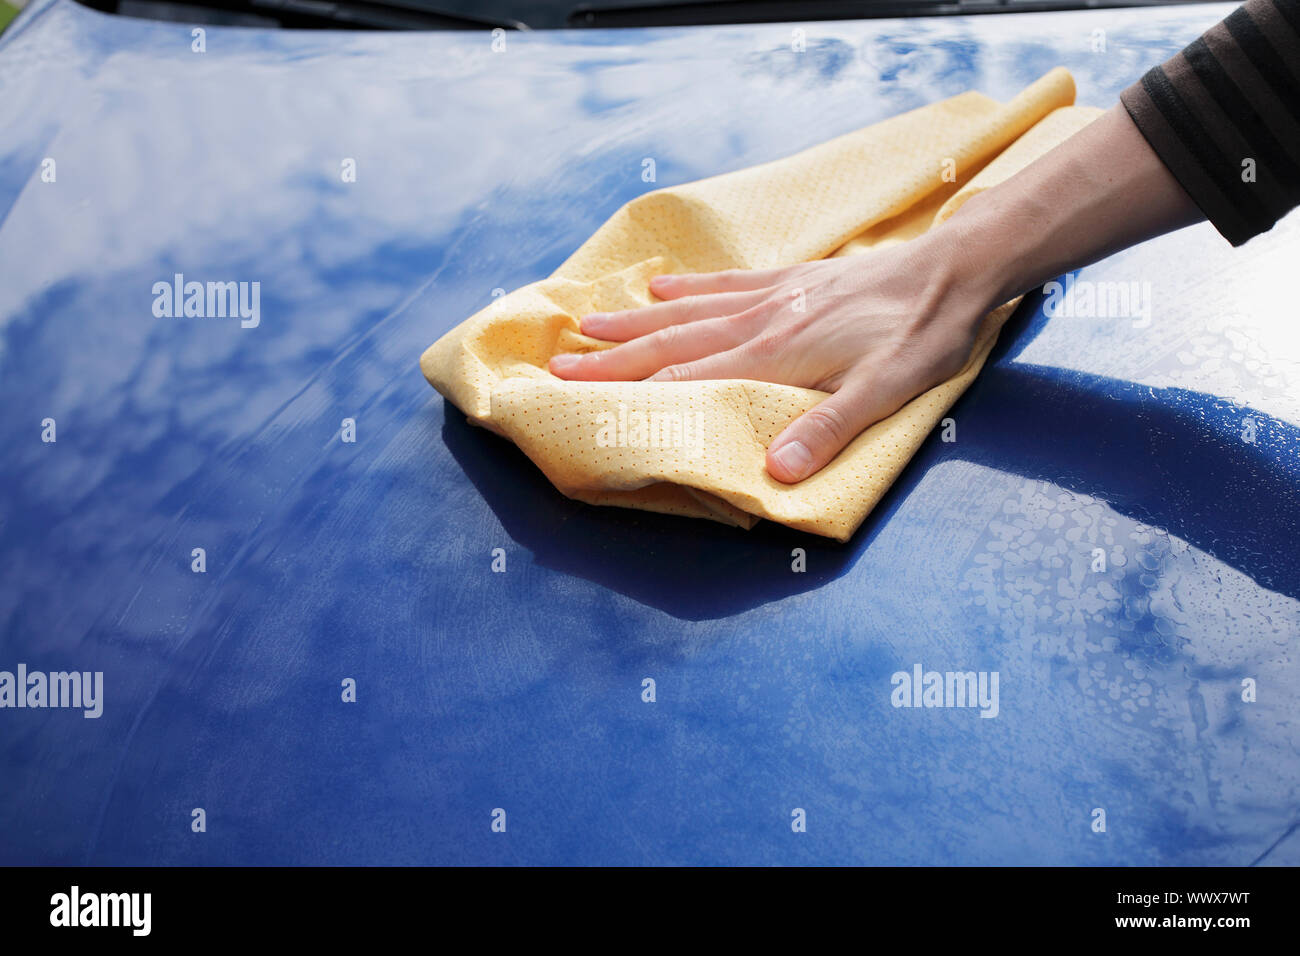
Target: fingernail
{"type": "Point", "coordinates": [564, 363]}
{"type": "Point", "coordinates": [795, 458]}
{"type": "Point", "coordinates": [593, 322]}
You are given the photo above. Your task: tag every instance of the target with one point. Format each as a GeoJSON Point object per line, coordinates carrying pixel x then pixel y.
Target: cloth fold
{"type": "Point", "coordinates": [698, 448]}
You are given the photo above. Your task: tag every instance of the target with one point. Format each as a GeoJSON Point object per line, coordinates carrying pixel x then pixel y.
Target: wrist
{"type": "Point", "coordinates": [992, 247]}
{"type": "Point", "coordinates": [970, 259]}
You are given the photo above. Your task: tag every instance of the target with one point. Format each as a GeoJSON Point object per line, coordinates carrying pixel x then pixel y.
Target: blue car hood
{"type": "Point", "coordinates": [1112, 532]}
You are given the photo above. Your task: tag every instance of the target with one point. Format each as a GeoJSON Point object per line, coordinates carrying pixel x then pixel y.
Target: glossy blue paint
{"type": "Point", "coordinates": [1119, 689]}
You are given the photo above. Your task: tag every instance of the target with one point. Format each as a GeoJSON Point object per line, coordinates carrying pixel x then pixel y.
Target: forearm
{"type": "Point", "coordinates": [1100, 191]}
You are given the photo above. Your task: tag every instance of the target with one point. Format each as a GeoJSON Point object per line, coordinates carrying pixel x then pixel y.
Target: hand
{"type": "Point", "coordinates": [875, 330]}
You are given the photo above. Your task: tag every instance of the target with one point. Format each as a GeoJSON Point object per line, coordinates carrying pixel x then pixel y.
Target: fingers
{"type": "Point", "coordinates": [687, 298]}
{"type": "Point", "coordinates": [634, 323]}
{"type": "Point", "coordinates": [641, 357]}
{"type": "Point", "coordinates": [813, 439]}
{"type": "Point", "coordinates": [729, 364]}
{"type": "Point", "coordinates": [711, 283]}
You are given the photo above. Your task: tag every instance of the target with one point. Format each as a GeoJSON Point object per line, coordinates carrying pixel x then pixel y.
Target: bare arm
{"type": "Point", "coordinates": [1100, 191]}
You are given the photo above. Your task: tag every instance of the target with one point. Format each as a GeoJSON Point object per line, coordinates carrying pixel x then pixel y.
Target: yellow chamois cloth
{"type": "Point", "coordinates": [699, 448]}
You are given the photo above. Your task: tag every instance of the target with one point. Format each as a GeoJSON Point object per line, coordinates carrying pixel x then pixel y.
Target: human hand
{"type": "Point", "coordinates": [875, 330]}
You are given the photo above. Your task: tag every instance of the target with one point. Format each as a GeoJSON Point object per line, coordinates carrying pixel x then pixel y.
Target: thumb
{"type": "Point", "coordinates": [814, 438]}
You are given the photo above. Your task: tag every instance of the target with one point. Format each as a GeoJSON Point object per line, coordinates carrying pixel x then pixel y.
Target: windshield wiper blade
{"type": "Point", "coordinates": [385, 14]}
{"type": "Point", "coordinates": [699, 12]}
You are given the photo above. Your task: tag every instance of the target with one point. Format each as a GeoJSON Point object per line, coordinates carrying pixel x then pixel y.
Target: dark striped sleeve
{"type": "Point", "coordinates": [1224, 116]}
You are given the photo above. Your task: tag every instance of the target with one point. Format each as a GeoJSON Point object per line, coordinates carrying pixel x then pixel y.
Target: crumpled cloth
{"type": "Point", "coordinates": [698, 448]}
